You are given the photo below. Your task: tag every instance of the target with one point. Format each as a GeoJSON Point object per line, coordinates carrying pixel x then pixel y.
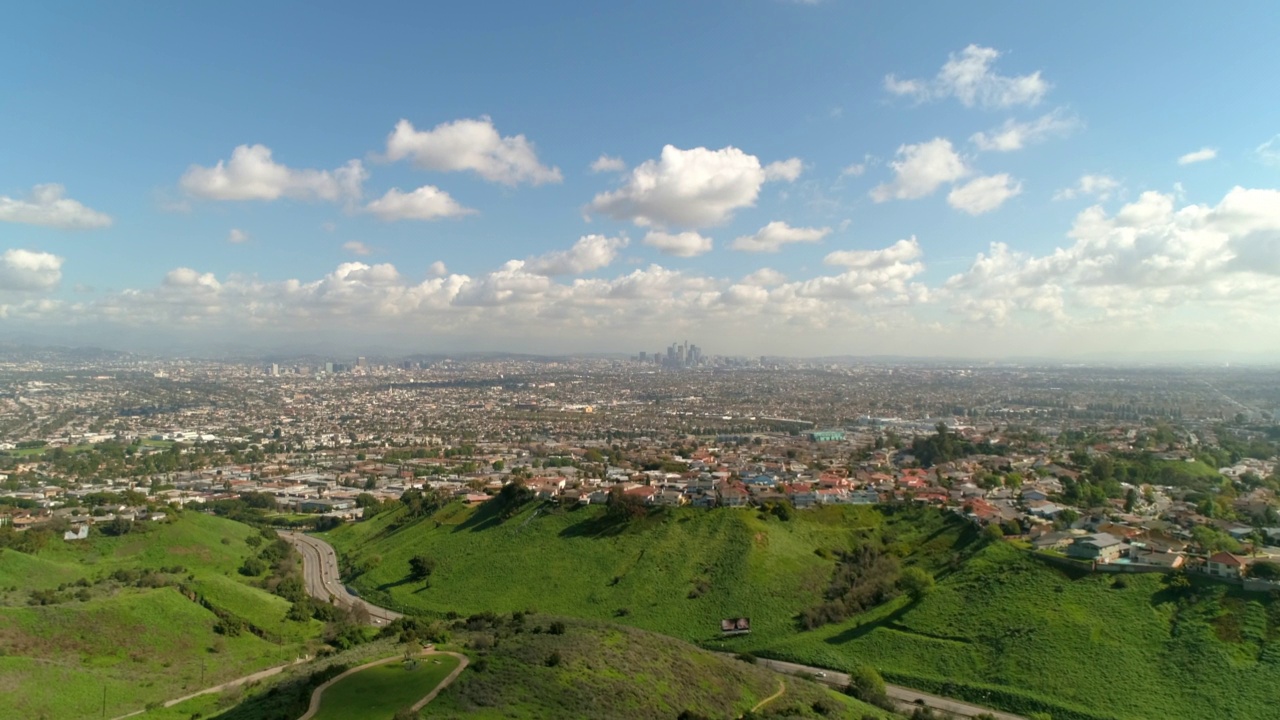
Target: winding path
{"type": "Point", "coordinates": [905, 697]}
{"type": "Point", "coordinates": [314, 706]}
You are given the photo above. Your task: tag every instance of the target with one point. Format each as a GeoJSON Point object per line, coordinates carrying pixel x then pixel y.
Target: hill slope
{"type": "Point", "coordinates": [106, 614]}
{"type": "Point", "coordinates": [1011, 631]}
{"type": "Point", "coordinates": [675, 571]}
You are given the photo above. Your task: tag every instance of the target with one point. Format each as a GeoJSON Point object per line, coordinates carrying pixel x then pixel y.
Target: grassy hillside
{"type": "Point", "coordinates": [589, 669]}
{"type": "Point", "coordinates": [1012, 631]}
{"type": "Point", "coordinates": [676, 571]}
{"type": "Point", "coordinates": [602, 670]}
{"type": "Point", "coordinates": [106, 613]}
{"type": "Point", "coordinates": [1000, 628]}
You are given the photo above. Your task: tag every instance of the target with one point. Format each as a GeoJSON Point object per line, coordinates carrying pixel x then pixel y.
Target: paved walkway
{"type": "Point", "coordinates": [260, 675]}
{"type": "Point", "coordinates": [906, 698]}
{"type": "Point", "coordinates": [314, 706]}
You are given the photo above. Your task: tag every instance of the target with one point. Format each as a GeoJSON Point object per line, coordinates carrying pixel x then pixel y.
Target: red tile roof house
{"type": "Point", "coordinates": [1224, 564]}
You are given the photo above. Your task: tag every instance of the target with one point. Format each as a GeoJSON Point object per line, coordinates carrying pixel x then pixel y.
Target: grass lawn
{"type": "Point", "coordinates": [379, 692]}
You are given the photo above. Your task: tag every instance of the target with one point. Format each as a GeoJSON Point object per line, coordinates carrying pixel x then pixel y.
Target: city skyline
{"type": "Point", "coordinates": [795, 181]}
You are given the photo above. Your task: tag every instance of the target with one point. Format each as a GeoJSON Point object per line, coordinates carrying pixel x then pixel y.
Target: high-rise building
{"type": "Point", "coordinates": [273, 370]}
{"type": "Point", "coordinates": [361, 362]}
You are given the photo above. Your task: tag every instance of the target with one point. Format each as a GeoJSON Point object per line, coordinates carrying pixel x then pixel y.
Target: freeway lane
{"type": "Point", "coordinates": [320, 575]}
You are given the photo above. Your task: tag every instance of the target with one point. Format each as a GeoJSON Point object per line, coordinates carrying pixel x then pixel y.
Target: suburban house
{"type": "Point", "coordinates": [1224, 564]}
{"type": "Point", "coordinates": [1101, 547]}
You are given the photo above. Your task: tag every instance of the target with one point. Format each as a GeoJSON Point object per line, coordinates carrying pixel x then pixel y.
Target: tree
{"type": "Point", "coordinates": [1130, 500]}
{"type": "Point", "coordinates": [866, 684]}
{"type": "Point", "coordinates": [499, 465]}
{"type": "Point", "coordinates": [916, 582]}
{"type": "Point", "coordinates": [993, 532]}
{"type": "Point", "coordinates": [1265, 570]}
{"type": "Point", "coordinates": [421, 566]}
{"type": "Point", "coordinates": [1213, 540]}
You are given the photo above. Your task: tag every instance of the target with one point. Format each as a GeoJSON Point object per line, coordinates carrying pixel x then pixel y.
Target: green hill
{"type": "Point", "coordinates": [674, 571]}
{"type": "Point", "coordinates": [534, 667]}
{"type": "Point", "coordinates": [1011, 631]}
{"type": "Point", "coordinates": [999, 627]}
{"type": "Point", "coordinates": [107, 614]}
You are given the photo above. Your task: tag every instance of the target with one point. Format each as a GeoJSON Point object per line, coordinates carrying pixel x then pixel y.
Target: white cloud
{"type": "Point", "coordinates": [29, 270]}
{"type": "Point", "coordinates": [47, 206]}
{"type": "Point", "coordinates": [437, 270]}
{"type": "Point", "coordinates": [970, 78]}
{"type": "Point", "coordinates": [983, 194]}
{"type": "Point", "coordinates": [608, 163]}
{"type": "Point", "coordinates": [355, 247]}
{"type": "Point", "coordinates": [473, 145]}
{"type": "Point", "coordinates": [1200, 155]}
{"type": "Point", "coordinates": [688, 188]}
{"type": "Point", "coordinates": [903, 251]}
{"type": "Point", "coordinates": [764, 277]}
{"type": "Point", "coordinates": [854, 170]}
{"type": "Point", "coordinates": [1145, 260]}
{"type": "Point", "coordinates": [921, 169]}
{"type": "Point", "coordinates": [252, 174]}
{"type": "Point", "coordinates": [1269, 151]}
{"type": "Point", "coordinates": [1014, 135]}
{"type": "Point", "coordinates": [771, 237]}
{"type": "Point", "coordinates": [426, 203]}
{"type": "Point", "coordinates": [591, 252]}
{"type": "Point", "coordinates": [788, 170]}
{"type": "Point", "coordinates": [685, 244]}
{"type": "Point", "coordinates": [237, 236]}
{"type": "Point", "coordinates": [1096, 186]}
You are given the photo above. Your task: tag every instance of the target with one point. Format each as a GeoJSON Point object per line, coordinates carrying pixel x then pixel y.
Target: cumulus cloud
{"type": "Point", "coordinates": [426, 203]}
{"type": "Point", "coordinates": [983, 194]}
{"type": "Point", "coordinates": [1096, 186]}
{"type": "Point", "coordinates": [29, 270]}
{"type": "Point", "coordinates": [771, 237]}
{"type": "Point", "coordinates": [970, 78]}
{"type": "Point", "coordinates": [46, 205]}
{"type": "Point", "coordinates": [355, 247]}
{"type": "Point", "coordinates": [608, 163]}
{"type": "Point", "coordinates": [437, 269]}
{"type": "Point", "coordinates": [854, 170]}
{"type": "Point", "coordinates": [1200, 155]}
{"type": "Point", "coordinates": [903, 251]}
{"type": "Point", "coordinates": [921, 169]}
{"type": "Point", "coordinates": [764, 277]}
{"type": "Point", "coordinates": [237, 236]}
{"type": "Point", "coordinates": [685, 244]}
{"type": "Point", "coordinates": [1014, 135]}
{"type": "Point", "coordinates": [591, 252]}
{"type": "Point", "coordinates": [252, 174]}
{"type": "Point", "coordinates": [690, 188]}
{"type": "Point", "coordinates": [473, 145]}
{"type": "Point", "coordinates": [788, 170]}
{"type": "Point", "coordinates": [1149, 256]}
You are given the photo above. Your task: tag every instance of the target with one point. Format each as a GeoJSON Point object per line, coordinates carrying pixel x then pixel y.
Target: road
{"type": "Point", "coordinates": [906, 697]}
{"type": "Point", "coordinates": [320, 575]}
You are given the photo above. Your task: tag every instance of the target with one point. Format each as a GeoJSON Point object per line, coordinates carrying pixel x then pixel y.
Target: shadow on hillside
{"type": "Point", "coordinates": [403, 581]}
{"type": "Point", "coordinates": [598, 526]}
{"type": "Point", "coordinates": [854, 633]}
{"type": "Point", "coordinates": [489, 515]}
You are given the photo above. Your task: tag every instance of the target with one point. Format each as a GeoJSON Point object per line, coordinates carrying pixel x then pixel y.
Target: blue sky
{"type": "Point", "coordinates": [942, 179]}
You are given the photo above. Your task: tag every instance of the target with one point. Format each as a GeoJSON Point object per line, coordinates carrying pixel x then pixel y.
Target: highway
{"type": "Point", "coordinates": [320, 575]}
{"type": "Point", "coordinates": [906, 698]}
